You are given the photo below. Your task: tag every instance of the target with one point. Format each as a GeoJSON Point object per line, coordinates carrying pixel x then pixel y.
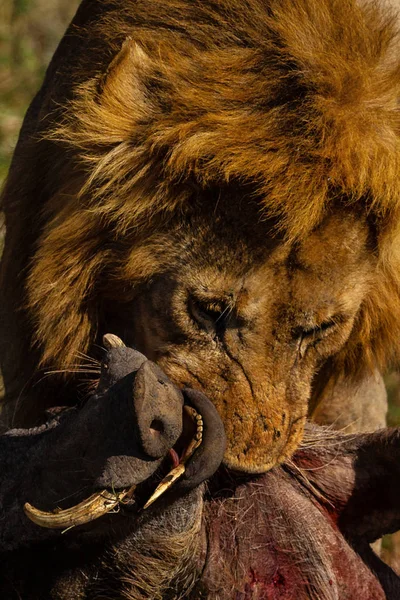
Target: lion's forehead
{"type": "Point", "coordinates": [332, 264]}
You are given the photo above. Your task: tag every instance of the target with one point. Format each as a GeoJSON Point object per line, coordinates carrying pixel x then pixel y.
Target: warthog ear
{"type": "Point", "coordinates": [359, 477]}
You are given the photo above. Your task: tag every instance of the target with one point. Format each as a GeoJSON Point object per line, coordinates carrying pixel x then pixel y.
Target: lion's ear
{"type": "Point", "coordinates": [129, 59]}
{"type": "Point", "coordinates": [109, 108]}
{"type": "Point", "coordinates": [122, 92]}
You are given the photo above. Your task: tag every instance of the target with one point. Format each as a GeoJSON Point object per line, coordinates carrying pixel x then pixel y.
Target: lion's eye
{"type": "Point", "coordinates": [307, 338]}
{"type": "Point", "coordinates": [210, 315]}
{"type": "Point", "coordinates": [319, 331]}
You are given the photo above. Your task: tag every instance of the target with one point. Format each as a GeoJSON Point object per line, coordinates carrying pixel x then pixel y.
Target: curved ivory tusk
{"type": "Point", "coordinates": [112, 341]}
{"type": "Point", "coordinates": [178, 471]}
{"type": "Point", "coordinates": [165, 484]}
{"type": "Point", "coordinates": [90, 509]}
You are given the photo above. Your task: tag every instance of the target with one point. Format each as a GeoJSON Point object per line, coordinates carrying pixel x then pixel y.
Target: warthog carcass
{"type": "Point", "coordinates": [299, 531]}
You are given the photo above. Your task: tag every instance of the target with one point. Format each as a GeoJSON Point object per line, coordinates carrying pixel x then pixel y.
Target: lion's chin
{"type": "Point", "coordinates": [255, 458]}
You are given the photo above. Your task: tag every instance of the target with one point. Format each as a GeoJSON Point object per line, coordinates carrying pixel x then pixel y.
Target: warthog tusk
{"type": "Point", "coordinates": [165, 484]}
{"type": "Point", "coordinates": [112, 341]}
{"type": "Point", "coordinates": [88, 510]}
{"type": "Point", "coordinates": [179, 470]}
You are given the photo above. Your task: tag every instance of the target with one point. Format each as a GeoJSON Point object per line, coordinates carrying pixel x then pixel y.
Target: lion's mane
{"type": "Point", "coordinates": [145, 100]}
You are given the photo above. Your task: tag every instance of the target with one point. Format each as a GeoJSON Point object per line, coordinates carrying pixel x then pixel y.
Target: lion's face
{"type": "Point", "coordinates": [247, 318]}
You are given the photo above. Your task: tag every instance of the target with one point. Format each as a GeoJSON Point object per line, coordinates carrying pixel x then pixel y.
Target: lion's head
{"type": "Point", "coordinates": [233, 310]}
{"type": "Point", "coordinates": [219, 187]}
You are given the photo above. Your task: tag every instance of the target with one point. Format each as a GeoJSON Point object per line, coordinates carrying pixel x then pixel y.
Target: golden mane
{"type": "Point", "coordinates": [299, 98]}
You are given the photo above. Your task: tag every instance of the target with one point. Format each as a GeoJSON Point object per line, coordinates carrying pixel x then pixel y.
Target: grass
{"type": "Point", "coordinates": [29, 33]}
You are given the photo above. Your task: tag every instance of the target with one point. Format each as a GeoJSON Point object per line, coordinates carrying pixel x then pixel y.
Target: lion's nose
{"type": "Point", "coordinates": [158, 410]}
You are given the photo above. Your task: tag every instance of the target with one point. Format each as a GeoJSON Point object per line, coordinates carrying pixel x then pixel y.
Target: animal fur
{"type": "Point", "coordinates": [279, 121]}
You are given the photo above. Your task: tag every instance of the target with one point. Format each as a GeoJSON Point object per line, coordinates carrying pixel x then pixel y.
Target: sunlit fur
{"type": "Point", "coordinates": [279, 120]}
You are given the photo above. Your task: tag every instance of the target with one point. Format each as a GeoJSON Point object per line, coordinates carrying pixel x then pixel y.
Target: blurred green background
{"type": "Point", "coordinates": [29, 33]}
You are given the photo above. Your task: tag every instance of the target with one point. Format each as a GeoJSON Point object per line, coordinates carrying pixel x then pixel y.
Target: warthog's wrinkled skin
{"type": "Point", "coordinates": [300, 531]}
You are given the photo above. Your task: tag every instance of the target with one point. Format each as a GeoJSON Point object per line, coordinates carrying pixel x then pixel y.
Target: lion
{"type": "Point", "coordinates": [217, 184]}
